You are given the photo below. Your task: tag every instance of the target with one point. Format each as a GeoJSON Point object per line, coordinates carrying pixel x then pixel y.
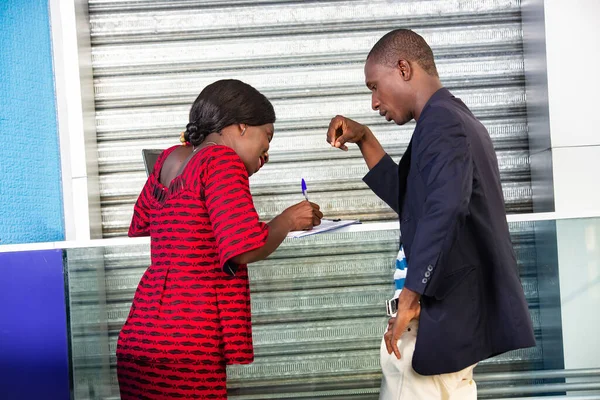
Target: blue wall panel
{"type": "Point", "coordinates": [30, 182]}
{"type": "Point", "coordinates": [34, 360]}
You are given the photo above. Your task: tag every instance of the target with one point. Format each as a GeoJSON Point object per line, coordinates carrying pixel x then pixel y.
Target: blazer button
{"type": "Point", "coordinates": [430, 268]}
{"type": "Point", "coordinates": [424, 280]}
{"type": "Point", "coordinates": [427, 274]}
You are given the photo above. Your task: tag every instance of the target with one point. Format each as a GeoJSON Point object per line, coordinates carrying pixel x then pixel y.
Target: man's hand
{"type": "Point", "coordinates": [408, 309]}
{"type": "Point", "coordinates": [343, 130]}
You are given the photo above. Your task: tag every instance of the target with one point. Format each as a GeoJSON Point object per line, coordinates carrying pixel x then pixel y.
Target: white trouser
{"type": "Point", "coordinates": [401, 382]}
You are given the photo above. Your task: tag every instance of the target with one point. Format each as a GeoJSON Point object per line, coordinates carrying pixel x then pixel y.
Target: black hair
{"type": "Point", "coordinates": [403, 44]}
{"type": "Point", "coordinates": [223, 103]}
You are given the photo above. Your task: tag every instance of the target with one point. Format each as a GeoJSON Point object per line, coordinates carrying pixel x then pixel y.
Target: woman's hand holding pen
{"type": "Point", "coordinates": [303, 216]}
{"type": "Point", "coordinates": [300, 217]}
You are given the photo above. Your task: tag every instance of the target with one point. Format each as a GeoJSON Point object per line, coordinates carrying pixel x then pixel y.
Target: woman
{"type": "Point", "coordinates": [190, 316]}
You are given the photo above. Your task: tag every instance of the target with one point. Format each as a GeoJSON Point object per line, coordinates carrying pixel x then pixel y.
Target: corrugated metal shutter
{"type": "Point", "coordinates": [317, 302]}
{"type": "Point", "coordinates": [152, 58]}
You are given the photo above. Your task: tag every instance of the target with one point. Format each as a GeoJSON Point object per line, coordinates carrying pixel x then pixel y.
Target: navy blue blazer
{"type": "Point", "coordinates": [453, 225]}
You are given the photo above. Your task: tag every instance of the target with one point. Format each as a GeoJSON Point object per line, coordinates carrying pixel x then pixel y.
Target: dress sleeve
{"type": "Point", "coordinates": [140, 221]}
{"type": "Point", "coordinates": [233, 217]}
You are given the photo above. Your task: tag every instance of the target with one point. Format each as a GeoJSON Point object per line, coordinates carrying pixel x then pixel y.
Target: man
{"type": "Point", "coordinates": [460, 300]}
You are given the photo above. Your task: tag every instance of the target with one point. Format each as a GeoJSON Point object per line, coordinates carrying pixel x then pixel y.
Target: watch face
{"type": "Point", "coordinates": [391, 306]}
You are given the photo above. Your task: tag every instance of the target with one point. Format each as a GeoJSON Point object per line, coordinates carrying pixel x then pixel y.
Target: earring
{"type": "Point", "coordinates": [182, 139]}
{"type": "Point", "coordinates": [243, 131]}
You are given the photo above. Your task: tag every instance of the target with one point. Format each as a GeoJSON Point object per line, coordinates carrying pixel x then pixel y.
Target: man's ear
{"type": "Point", "coordinates": [405, 69]}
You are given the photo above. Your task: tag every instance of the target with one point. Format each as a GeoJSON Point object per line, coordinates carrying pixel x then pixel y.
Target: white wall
{"type": "Point", "coordinates": [76, 118]}
{"type": "Point", "coordinates": [573, 58]}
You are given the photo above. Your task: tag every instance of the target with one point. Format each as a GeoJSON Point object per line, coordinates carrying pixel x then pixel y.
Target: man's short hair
{"type": "Point", "coordinates": [403, 44]}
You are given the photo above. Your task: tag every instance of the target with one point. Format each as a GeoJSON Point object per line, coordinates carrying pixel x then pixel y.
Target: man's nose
{"type": "Point", "coordinates": [374, 103]}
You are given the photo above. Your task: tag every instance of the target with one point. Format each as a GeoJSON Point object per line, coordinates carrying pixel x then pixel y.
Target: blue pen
{"type": "Point", "coordinates": [304, 189]}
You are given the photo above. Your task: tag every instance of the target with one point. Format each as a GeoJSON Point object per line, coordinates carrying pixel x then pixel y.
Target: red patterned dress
{"type": "Point", "coordinates": [191, 311]}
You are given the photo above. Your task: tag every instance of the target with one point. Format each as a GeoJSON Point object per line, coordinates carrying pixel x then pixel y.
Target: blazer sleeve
{"type": "Point", "coordinates": [383, 180]}
{"type": "Point", "coordinates": [445, 164]}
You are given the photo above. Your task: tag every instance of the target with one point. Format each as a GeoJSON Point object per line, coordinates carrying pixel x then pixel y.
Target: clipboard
{"type": "Point", "coordinates": [327, 225]}
{"type": "Point", "coordinates": [150, 156]}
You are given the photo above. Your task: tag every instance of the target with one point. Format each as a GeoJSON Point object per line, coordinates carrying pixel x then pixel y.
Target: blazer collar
{"type": "Point", "coordinates": [441, 93]}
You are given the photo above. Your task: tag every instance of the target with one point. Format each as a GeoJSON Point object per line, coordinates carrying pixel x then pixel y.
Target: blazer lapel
{"type": "Point", "coordinates": [403, 169]}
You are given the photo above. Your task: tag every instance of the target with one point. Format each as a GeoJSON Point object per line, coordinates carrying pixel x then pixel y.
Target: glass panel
{"type": "Point", "coordinates": [318, 315]}
{"type": "Point", "coordinates": [89, 323]}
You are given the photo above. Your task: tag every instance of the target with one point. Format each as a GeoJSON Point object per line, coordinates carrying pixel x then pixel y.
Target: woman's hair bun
{"type": "Point", "coordinates": [195, 134]}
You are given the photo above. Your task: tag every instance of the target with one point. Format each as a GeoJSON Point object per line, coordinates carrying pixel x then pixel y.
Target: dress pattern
{"type": "Point", "coordinates": [190, 315]}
